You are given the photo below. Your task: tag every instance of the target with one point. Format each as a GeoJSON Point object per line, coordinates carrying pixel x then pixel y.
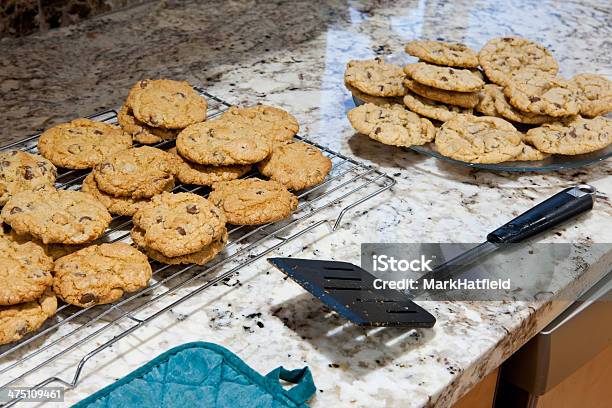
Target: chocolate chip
{"type": "Point", "coordinates": [368, 75]}
{"type": "Point", "coordinates": [88, 298]}
{"type": "Point", "coordinates": [377, 130]}
{"type": "Point", "coordinates": [97, 132]}
{"type": "Point", "coordinates": [534, 99]}
{"type": "Point", "coordinates": [84, 218]}
{"type": "Point", "coordinates": [382, 87]}
{"type": "Point", "coordinates": [573, 133]}
{"type": "Point", "coordinates": [16, 210]}
{"type": "Point", "coordinates": [27, 173]}
{"type": "Point", "coordinates": [181, 231]}
{"type": "Point", "coordinates": [260, 192]}
{"type": "Point", "coordinates": [144, 83]}
{"type": "Point", "coordinates": [451, 71]}
{"type": "Point", "coordinates": [507, 39]}
{"type": "Point", "coordinates": [182, 95]}
{"type": "Point", "coordinates": [159, 220]}
{"type": "Point", "coordinates": [193, 209]}
{"type": "Point", "coordinates": [445, 79]}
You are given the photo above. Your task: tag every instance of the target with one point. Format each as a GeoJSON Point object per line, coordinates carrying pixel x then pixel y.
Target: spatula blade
{"type": "Point", "coordinates": [349, 290]}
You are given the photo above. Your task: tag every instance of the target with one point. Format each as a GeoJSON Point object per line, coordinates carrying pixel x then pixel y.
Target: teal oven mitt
{"type": "Point", "coordinates": [203, 375]}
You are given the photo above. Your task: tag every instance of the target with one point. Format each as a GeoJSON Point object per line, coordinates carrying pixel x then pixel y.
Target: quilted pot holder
{"type": "Point", "coordinates": [203, 375]}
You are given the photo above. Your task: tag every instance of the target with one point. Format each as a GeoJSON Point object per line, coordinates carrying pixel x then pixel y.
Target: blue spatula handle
{"type": "Point", "coordinates": [548, 214]}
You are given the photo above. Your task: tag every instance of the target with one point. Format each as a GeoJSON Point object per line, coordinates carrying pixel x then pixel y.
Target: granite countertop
{"type": "Point", "coordinates": [292, 55]}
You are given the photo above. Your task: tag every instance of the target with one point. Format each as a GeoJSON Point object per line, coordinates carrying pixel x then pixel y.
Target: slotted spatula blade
{"type": "Point", "coordinates": [349, 290]}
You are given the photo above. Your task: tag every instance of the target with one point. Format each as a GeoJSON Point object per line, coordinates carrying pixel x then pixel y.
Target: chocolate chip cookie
{"type": "Point", "coordinates": [115, 205]}
{"type": "Point", "coordinates": [199, 258]}
{"type": "Point", "coordinates": [443, 53]}
{"type": "Point", "coordinates": [482, 139]}
{"type": "Point", "coordinates": [296, 165]}
{"type": "Point", "coordinates": [21, 171]}
{"type": "Point", "coordinates": [59, 216]}
{"type": "Point", "coordinates": [18, 320]}
{"type": "Point", "coordinates": [375, 77]}
{"type": "Point", "coordinates": [462, 99]}
{"type": "Point", "coordinates": [595, 93]}
{"type": "Point", "coordinates": [445, 78]}
{"type": "Point", "coordinates": [203, 175]}
{"type": "Point", "coordinates": [100, 274]}
{"type": "Point", "coordinates": [168, 104]}
{"type": "Point", "coordinates": [222, 142]}
{"type": "Point", "coordinates": [509, 112]}
{"type": "Point", "coordinates": [253, 201]}
{"type": "Point", "coordinates": [432, 109]}
{"type": "Point", "coordinates": [273, 123]}
{"type": "Point", "coordinates": [502, 57]}
{"type": "Point", "coordinates": [25, 269]}
{"type": "Point", "coordinates": [179, 224]}
{"type": "Point", "coordinates": [532, 91]}
{"type": "Point", "coordinates": [82, 143]}
{"type": "Point", "coordinates": [141, 132]}
{"type": "Point", "coordinates": [140, 172]}
{"type": "Point", "coordinates": [574, 135]}
{"type": "Point", "coordinates": [392, 125]}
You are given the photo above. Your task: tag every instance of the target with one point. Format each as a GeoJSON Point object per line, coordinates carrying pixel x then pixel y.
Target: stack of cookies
{"type": "Point", "coordinates": [126, 180]}
{"type": "Point", "coordinates": [478, 114]}
{"type": "Point", "coordinates": [217, 152]}
{"type": "Point", "coordinates": [157, 110]}
{"type": "Point", "coordinates": [26, 300]}
{"type": "Point", "coordinates": [181, 228]}
{"type": "Point", "coordinates": [47, 245]}
{"type": "Point", "coordinates": [46, 224]}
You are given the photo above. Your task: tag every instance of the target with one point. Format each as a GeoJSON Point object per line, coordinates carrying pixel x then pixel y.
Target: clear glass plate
{"type": "Point", "coordinates": [552, 163]}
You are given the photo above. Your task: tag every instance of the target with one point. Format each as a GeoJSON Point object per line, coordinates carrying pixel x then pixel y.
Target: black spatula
{"type": "Point", "coordinates": [349, 290]}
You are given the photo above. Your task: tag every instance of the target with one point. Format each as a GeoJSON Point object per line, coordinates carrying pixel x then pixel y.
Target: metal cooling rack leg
{"type": "Point", "coordinates": [349, 207]}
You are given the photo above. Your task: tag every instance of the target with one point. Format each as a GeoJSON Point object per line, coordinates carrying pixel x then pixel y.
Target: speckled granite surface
{"type": "Point", "coordinates": [293, 55]}
{"type": "Point", "coordinates": [23, 17]}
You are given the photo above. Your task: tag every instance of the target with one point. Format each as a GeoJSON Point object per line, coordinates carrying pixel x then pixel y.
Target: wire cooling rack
{"type": "Point", "coordinates": [89, 331]}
